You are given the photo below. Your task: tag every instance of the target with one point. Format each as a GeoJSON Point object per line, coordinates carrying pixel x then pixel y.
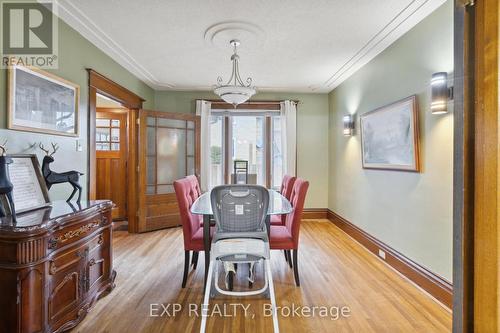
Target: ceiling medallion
{"type": "Point", "coordinates": [235, 91]}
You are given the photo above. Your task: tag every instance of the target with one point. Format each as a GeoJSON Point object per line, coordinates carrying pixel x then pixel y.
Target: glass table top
{"type": "Point", "coordinates": [278, 204]}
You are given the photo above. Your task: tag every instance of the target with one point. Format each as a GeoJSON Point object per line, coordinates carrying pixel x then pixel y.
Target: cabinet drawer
{"type": "Point", "coordinates": [99, 262]}
{"type": "Point", "coordinates": [76, 232]}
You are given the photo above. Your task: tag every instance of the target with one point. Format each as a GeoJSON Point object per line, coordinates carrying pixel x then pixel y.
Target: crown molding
{"type": "Point", "coordinates": [76, 19]}
{"type": "Point", "coordinates": [404, 21]}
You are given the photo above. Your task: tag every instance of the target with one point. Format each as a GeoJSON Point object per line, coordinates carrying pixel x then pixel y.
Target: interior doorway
{"type": "Point", "coordinates": [107, 99]}
{"type": "Point", "coordinates": [112, 154]}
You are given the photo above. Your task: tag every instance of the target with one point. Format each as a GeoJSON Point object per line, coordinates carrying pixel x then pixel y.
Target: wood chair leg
{"type": "Point", "coordinates": [194, 260]}
{"type": "Point", "coordinates": [286, 256]}
{"type": "Point", "coordinates": [186, 268]}
{"type": "Point", "coordinates": [296, 267]}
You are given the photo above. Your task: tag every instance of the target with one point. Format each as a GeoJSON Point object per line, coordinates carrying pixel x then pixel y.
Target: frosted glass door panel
{"type": "Point", "coordinates": [171, 155]}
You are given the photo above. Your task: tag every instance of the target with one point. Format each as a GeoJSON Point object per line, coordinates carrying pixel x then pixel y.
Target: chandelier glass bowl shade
{"type": "Point", "coordinates": [235, 91]}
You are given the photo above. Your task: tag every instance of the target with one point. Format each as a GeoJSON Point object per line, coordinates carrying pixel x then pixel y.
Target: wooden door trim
{"type": "Point", "coordinates": [476, 167]}
{"type": "Point", "coordinates": [171, 115]}
{"type": "Point", "coordinates": [486, 168]}
{"type": "Point", "coordinates": [98, 83]}
{"type": "Point", "coordinates": [463, 174]}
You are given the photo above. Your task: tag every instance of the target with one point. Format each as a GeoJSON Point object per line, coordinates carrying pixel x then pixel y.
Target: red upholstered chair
{"type": "Point", "coordinates": [286, 237]}
{"type": "Point", "coordinates": [286, 191]}
{"type": "Point", "coordinates": [187, 190]}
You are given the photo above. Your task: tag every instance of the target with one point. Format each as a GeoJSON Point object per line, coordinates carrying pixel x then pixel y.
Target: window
{"type": "Point", "coordinates": [248, 145]}
{"type": "Point", "coordinates": [276, 153]}
{"type": "Point", "coordinates": [107, 134]}
{"type": "Point", "coordinates": [253, 137]}
{"type": "Point", "coordinates": [217, 150]}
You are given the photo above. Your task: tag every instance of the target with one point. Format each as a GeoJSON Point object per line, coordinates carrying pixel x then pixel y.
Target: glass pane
{"type": "Point", "coordinates": [115, 134]}
{"type": "Point", "coordinates": [151, 144]}
{"type": "Point", "coordinates": [276, 154]}
{"type": "Point", "coordinates": [171, 155]}
{"type": "Point", "coordinates": [190, 124]}
{"type": "Point", "coordinates": [163, 189]}
{"type": "Point", "coordinates": [190, 143]}
{"type": "Point", "coordinates": [102, 146]}
{"type": "Point", "coordinates": [102, 122]}
{"type": "Point", "coordinates": [102, 134]}
{"type": "Point", "coordinates": [150, 170]}
{"type": "Point", "coordinates": [115, 146]}
{"type": "Point", "coordinates": [150, 189]}
{"type": "Point", "coordinates": [216, 150]}
{"type": "Point", "coordinates": [248, 145]}
{"type": "Point", "coordinates": [115, 123]}
{"type": "Point", "coordinates": [171, 122]}
{"type": "Point", "coordinates": [151, 121]}
{"type": "Point", "coordinates": [190, 166]}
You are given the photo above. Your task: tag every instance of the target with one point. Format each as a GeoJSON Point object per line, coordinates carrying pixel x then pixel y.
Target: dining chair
{"type": "Point", "coordinates": [240, 237]}
{"type": "Point", "coordinates": [286, 237]}
{"type": "Point", "coordinates": [286, 191]}
{"type": "Point", "coordinates": [187, 190]}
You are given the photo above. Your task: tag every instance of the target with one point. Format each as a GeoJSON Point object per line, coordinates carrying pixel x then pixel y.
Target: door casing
{"type": "Point", "coordinates": [98, 83]}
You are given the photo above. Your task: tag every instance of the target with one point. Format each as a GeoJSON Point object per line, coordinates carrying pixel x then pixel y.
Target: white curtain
{"type": "Point", "coordinates": [203, 109]}
{"type": "Point", "coordinates": [288, 113]}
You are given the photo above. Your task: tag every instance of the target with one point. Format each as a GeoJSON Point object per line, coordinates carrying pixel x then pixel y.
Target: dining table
{"type": "Point", "coordinates": [278, 205]}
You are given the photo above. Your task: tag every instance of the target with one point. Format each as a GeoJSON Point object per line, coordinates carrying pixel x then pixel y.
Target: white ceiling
{"type": "Point", "coordinates": [287, 45]}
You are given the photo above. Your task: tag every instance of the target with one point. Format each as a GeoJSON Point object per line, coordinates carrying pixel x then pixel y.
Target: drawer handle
{"type": "Point", "coordinates": [77, 232]}
{"type": "Point", "coordinates": [100, 240]}
{"type": "Point", "coordinates": [52, 268]}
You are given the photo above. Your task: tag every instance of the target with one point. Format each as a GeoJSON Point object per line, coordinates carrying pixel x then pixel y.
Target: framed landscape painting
{"type": "Point", "coordinates": [42, 102]}
{"type": "Point", "coordinates": [389, 137]}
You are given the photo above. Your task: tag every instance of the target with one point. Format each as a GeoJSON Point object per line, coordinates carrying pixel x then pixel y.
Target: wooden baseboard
{"type": "Point", "coordinates": [314, 213]}
{"type": "Point", "coordinates": [435, 285]}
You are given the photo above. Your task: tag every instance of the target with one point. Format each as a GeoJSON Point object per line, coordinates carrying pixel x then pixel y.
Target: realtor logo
{"type": "Point", "coordinates": [29, 34]}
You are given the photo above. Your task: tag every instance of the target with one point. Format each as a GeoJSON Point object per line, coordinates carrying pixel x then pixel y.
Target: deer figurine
{"type": "Point", "coordinates": [52, 177]}
{"type": "Point", "coordinates": [6, 186]}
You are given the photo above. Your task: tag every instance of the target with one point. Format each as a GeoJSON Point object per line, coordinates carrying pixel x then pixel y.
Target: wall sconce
{"type": "Point", "coordinates": [440, 93]}
{"type": "Point", "coordinates": [348, 125]}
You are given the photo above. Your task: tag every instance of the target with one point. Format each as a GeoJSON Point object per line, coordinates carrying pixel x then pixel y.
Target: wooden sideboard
{"type": "Point", "coordinates": [55, 263]}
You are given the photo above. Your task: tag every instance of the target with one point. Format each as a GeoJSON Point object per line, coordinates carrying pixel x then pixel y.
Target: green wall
{"type": "Point", "coordinates": [75, 55]}
{"type": "Point", "coordinates": [312, 133]}
{"type": "Point", "coordinates": [410, 212]}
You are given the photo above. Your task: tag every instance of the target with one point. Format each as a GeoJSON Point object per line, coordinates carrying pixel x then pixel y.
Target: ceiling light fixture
{"type": "Point", "coordinates": [235, 91]}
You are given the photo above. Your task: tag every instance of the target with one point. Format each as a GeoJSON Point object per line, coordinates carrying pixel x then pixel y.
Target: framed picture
{"type": "Point", "coordinates": [30, 191]}
{"type": "Point", "coordinates": [389, 137]}
{"type": "Point", "coordinates": [42, 102]}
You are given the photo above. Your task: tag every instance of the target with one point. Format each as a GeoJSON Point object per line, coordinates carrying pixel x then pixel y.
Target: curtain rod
{"type": "Point", "coordinates": [220, 101]}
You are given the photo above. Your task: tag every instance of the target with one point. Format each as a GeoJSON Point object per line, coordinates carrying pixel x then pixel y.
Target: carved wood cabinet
{"type": "Point", "coordinates": [55, 263]}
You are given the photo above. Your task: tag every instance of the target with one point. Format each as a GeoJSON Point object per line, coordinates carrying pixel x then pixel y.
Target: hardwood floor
{"type": "Point", "coordinates": [335, 271]}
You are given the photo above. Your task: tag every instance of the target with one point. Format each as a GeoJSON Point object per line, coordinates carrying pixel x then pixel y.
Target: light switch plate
{"type": "Point", "coordinates": [78, 145]}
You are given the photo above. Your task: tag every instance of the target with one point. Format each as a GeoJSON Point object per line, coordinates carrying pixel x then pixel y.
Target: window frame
{"type": "Point", "coordinates": [227, 133]}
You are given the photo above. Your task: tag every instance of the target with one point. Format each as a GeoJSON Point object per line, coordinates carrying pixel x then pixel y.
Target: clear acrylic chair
{"type": "Point", "coordinates": [240, 237]}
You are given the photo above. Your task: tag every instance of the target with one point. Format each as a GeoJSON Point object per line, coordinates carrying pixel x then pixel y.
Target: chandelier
{"type": "Point", "coordinates": [235, 91]}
